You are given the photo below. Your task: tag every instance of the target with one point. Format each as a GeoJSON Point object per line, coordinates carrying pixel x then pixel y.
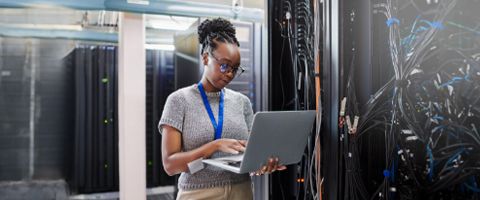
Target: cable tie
{"type": "Point", "coordinates": [386, 173]}
{"type": "Point", "coordinates": [352, 129]}
{"type": "Point", "coordinates": [343, 106]}
{"type": "Point", "coordinates": [355, 124]}
{"type": "Point", "coordinates": [349, 123]}
{"type": "Point", "coordinates": [288, 15]}
{"type": "Point", "coordinates": [439, 78]}
{"type": "Point", "coordinates": [299, 87]}
{"type": "Point", "coordinates": [448, 107]}
{"type": "Point", "coordinates": [407, 132]}
{"type": "Point", "coordinates": [437, 25]}
{"type": "Point", "coordinates": [341, 122]}
{"type": "Point", "coordinates": [410, 138]}
{"type": "Point", "coordinates": [391, 21]}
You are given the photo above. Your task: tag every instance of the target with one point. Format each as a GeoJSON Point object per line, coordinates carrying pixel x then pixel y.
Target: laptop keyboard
{"type": "Point", "coordinates": [234, 163]}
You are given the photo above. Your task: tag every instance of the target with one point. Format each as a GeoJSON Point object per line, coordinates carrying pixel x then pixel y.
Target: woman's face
{"type": "Point", "coordinates": [225, 54]}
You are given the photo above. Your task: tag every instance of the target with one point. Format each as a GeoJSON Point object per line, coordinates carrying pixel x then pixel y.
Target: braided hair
{"type": "Point", "coordinates": [216, 30]}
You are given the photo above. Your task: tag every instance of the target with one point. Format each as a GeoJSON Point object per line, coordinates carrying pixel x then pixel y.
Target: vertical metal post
{"type": "Point", "coordinates": [258, 45]}
{"type": "Point", "coordinates": [331, 66]}
{"type": "Point", "coordinates": [261, 184]}
{"type": "Point", "coordinates": [30, 54]}
{"type": "Point", "coordinates": [131, 106]}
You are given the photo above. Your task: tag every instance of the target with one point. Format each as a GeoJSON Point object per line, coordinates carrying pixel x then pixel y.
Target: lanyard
{"type": "Point", "coordinates": [217, 127]}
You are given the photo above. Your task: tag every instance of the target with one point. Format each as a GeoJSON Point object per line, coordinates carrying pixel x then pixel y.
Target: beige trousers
{"type": "Point", "coordinates": [240, 191]}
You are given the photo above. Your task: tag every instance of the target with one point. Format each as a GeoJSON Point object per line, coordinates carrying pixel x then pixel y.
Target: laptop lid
{"type": "Point", "coordinates": [282, 134]}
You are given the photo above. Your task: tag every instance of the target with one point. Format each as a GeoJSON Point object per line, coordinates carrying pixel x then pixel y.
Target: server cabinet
{"type": "Point", "coordinates": [160, 83]}
{"type": "Point", "coordinates": [407, 69]}
{"type": "Point", "coordinates": [292, 87]}
{"type": "Point", "coordinates": [36, 95]}
{"type": "Point", "coordinates": [96, 134]}
{"type": "Point", "coordinates": [95, 157]}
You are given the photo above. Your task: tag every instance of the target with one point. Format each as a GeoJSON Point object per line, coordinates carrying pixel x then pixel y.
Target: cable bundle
{"type": "Point", "coordinates": [422, 125]}
{"type": "Point", "coordinates": [296, 24]}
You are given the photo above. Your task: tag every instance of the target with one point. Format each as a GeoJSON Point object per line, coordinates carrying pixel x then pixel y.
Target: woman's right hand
{"type": "Point", "coordinates": [230, 145]}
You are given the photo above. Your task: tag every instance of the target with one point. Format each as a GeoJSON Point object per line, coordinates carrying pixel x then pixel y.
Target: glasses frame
{"type": "Point", "coordinates": [225, 68]}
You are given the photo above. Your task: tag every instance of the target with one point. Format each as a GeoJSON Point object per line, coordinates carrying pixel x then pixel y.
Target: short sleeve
{"type": "Point", "coordinates": [248, 112]}
{"type": "Point", "coordinates": [173, 112]}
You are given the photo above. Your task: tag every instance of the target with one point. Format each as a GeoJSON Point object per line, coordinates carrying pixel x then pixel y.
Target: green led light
{"type": "Point", "coordinates": [106, 166]}
{"type": "Point", "coordinates": [105, 121]}
{"type": "Point", "coordinates": [104, 80]}
{"type": "Point", "coordinates": [150, 163]}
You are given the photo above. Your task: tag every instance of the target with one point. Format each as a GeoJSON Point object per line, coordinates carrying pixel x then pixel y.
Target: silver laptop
{"type": "Point", "coordinates": [281, 134]}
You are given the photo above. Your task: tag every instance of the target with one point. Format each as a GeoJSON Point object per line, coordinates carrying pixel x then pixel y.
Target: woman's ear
{"type": "Point", "coordinates": [205, 58]}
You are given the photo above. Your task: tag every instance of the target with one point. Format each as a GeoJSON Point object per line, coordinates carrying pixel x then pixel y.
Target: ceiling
{"type": "Point", "coordinates": [162, 27]}
{"type": "Point", "coordinates": [246, 3]}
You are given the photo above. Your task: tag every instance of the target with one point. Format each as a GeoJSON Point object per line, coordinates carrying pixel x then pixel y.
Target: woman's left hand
{"type": "Point", "coordinates": [271, 166]}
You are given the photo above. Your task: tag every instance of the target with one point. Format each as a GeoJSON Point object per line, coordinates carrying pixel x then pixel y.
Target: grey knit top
{"type": "Point", "coordinates": [185, 111]}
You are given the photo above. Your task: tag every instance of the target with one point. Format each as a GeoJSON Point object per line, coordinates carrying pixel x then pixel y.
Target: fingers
{"type": "Point", "coordinates": [243, 142]}
{"type": "Point", "coordinates": [232, 146]}
{"type": "Point", "coordinates": [271, 166]}
{"type": "Point", "coordinates": [239, 142]}
{"type": "Point", "coordinates": [259, 172]}
{"type": "Point", "coordinates": [281, 167]}
{"type": "Point", "coordinates": [238, 146]}
{"type": "Point", "coordinates": [275, 164]}
{"type": "Point", "coordinates": [232, 151]}
{"type": "Point", "coordinates": [256, 173]}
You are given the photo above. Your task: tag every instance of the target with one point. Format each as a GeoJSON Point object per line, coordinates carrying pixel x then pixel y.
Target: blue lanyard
{"type": "Point", "coordinates": [217, 127]}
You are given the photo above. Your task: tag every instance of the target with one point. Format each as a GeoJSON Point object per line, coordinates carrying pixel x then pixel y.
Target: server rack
{"type": "Point", "coordinates": [160, 83]}
{"type": "Point", "coordinates": [96, 134]}
{"type": "Point", "coordinates": [292, 73]}
{"type": "Point", "coordinates": [396, 56]}
{"type": "Point", "coordinates": [96, 131]}
{"type": "Point", "coordinates": [36, 91]}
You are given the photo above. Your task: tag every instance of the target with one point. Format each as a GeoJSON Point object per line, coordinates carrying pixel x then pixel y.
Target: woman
{"type": "Point", "coordinates": [208, 120]}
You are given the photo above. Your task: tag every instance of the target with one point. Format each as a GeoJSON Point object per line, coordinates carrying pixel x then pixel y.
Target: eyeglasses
{"type": "Point", "coordinates": [225, 68]}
